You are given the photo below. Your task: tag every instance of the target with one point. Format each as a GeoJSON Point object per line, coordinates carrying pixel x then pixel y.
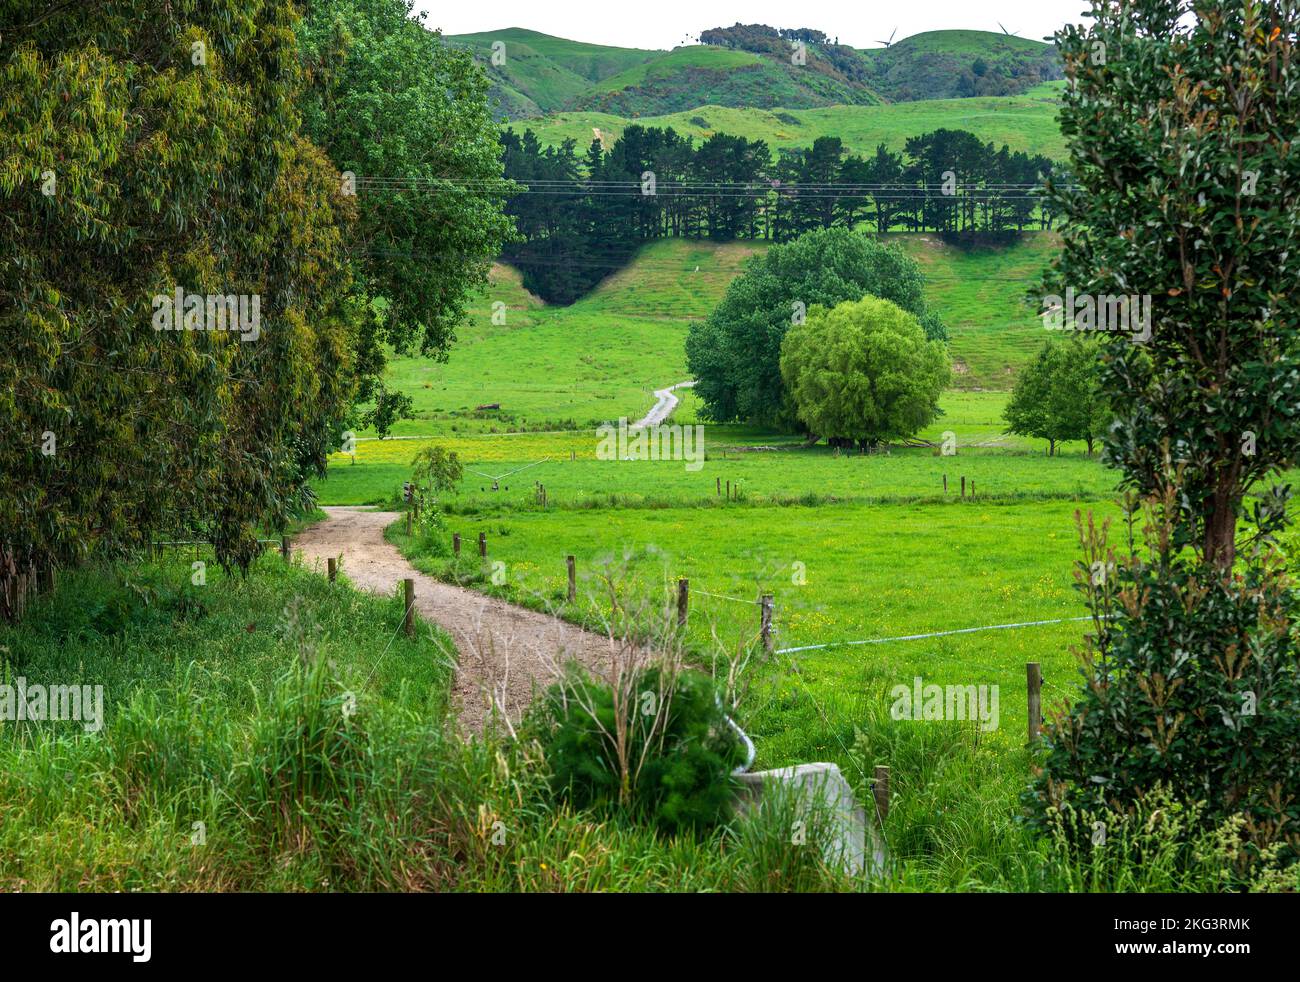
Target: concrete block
{"type": "Point", "coordinates": [854, 846]}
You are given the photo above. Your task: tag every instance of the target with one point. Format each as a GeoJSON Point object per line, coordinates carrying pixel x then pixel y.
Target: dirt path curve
{"type": "Point", "coordinates": [505, 650]}
{"type": "Point", "coordinates": [665, 403]}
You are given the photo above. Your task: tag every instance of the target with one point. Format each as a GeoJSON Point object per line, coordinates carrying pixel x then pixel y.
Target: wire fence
{"type": "Point", "coordinates": [931, 634]}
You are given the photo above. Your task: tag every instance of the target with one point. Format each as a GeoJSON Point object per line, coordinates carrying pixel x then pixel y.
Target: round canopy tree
{"type": "Point", "coordinates": [1058, 396]}
{"type": "Point", "coordinates": [735, 354]}
{"type": "Point", "coordinates": [864, 372]}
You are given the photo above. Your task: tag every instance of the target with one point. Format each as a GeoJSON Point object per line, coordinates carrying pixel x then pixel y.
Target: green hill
{"type": "Point", "coordinates": [707, 75]}
{"type": "Point", "coordinates": [540, 73]}
{"type": "Point", "coordinates": [961, 64]}
{"type": "Point", "coordinates": [1025, 123]}
{"type": "Point", "coordinates": [603, 356]}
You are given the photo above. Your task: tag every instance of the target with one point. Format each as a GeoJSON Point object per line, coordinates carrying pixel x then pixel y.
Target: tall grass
{"type": "Point", "coordinates": [283, 734]}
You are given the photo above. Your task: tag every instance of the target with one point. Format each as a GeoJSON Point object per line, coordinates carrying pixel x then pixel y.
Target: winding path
{"type": "Point", "coordinates": [664, 405]}
{"type": "Point", "coordinates": [507, 653]}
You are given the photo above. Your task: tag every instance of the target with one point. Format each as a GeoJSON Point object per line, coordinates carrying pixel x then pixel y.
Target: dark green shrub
{"type": "Point", "coordinates": [679, 749]}
{"type": "Point", "coordinates": [1191, 681]}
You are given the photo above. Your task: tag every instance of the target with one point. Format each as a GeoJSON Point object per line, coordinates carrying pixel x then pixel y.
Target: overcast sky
{"type": "Point", "coordinates": [667, 23]}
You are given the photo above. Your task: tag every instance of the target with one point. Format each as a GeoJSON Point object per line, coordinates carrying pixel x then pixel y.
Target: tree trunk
{"type": "Point", "coordinates": [1221, 527]}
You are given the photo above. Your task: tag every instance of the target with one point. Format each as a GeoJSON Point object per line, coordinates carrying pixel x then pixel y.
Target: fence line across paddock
{"type": "Point", "coordinates": [722, 596]}
{"type": "Point", "coordinates": [932, 634]}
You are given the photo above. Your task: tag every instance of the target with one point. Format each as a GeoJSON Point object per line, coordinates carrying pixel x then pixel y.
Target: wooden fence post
{"type": "Point", "coordinates": [718, 486]}
{"type": "Point", "coordinates": [408, 618]}
{"type": "Point", "coordinates": [683, 601]}
{"type": "Point", "coordinates": [482, 545]}
{"type": "Point", "coordinates": [963, 485]}
{"type": "Point", "coordinates": [573, 578]}
{"type": "Point", "coordinates": [765, 622]}
{"type": "Point", "coordinates": [1034, 678]}
{"type": "Point", "coordinates": [410, 517]}
{"type": "Point", "coordinates": [945, 484]}
{"type": "Point", "coordinates": [455, 543]}
{"type": "Point", "coordinates": [285, 547]}
{"type": "Point", "coordinates": [333, 566]}
{"type": "Point", "coordinates": [880, 791]}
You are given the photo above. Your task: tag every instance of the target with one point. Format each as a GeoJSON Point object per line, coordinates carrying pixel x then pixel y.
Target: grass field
{"type": "Point", "coordinates": [985, 295]}
{"type": "Point", "coordinates": [280, 734]}
{"type": "Point", "coordinates": [603, 357]}
{"type": "Point", "coordinates": [1026, 122]}
{"type": "Point", "coordinates": [766, 468]}
{"type": "Point", "coordinates": [837, 573]}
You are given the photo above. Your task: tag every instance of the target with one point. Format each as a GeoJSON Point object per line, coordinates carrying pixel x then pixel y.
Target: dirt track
{"type": "Point", "coordinates": [505, 650]}
{"type": "Point", "coordinates": [665, 403]}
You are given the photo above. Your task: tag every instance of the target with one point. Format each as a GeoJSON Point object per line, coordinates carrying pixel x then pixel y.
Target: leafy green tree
{"type": "Point", "coordinates": [1180, 118]}
{"type": "Point", "coordinates": [735, 354]}
{"type": "Point", "coordinates": [864, 371]}
{"type": "Point", "coordinates": [1058, 396]}
{"type": "Point", "coordinates": [435, 471]}
{"type": "Point", "coordinates": [405, 115]}
{"type": "Point", "coordinates": [148, 147]}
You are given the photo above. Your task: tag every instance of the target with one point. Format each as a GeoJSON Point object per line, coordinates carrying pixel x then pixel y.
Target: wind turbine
{"type": "Point", "coordinates": [891, 39]}
{"type": "Point", "coordinates": [1006, 32]}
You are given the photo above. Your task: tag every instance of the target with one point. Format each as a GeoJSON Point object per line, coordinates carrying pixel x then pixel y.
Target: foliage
{"type": "Point", "coordinates": [1176, 109]}
{"type": "Point", "coordinates": [1058, 396]}
{"type": "Point", "coordinates": [776, 861]}
{"type": "Point", "coordinates": [572, 241]}
{"type": "Point", "coordinates": [677, 735]}
{"type": "Point", "coordinates": [735, 354]}
{"type": "Point", "coordinates": [1192, 681]}
{"type": "Point", "coordinates": [1163, 840]}
{"type": "Point", "coordinates": [863, 372]}
{"type": "Point", "coordinates": [406, 116]}
{"type": "Point", "coordinates": [1185, 189]}
{"type": "Point", "coordinates": [145, 148]}
{"type": "Point", "coordinates": [436, 471]}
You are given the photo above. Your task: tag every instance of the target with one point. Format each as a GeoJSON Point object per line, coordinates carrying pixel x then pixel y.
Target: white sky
{"type": "Point", "coordinates": [667, 23]}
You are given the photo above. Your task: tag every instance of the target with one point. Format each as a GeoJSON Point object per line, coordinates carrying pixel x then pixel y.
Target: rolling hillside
{"type": "Point", "coordinates": [538, 74]}
{"type": "Point", "coordinates": [961, 64]}
{"type": "Point", "coordinates": [603, 356]}
{"type": "Point", "coordinates": [704, 74]}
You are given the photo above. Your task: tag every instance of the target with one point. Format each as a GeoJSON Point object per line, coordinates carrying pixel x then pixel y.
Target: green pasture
{"type": "Point", "coordinates": [1026, 122]}
{"type": "Point", "coordinates": [603, 357]}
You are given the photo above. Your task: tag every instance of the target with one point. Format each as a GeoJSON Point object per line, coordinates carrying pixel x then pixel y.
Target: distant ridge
{"type": "Point", "coordinates": [751, 67]}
